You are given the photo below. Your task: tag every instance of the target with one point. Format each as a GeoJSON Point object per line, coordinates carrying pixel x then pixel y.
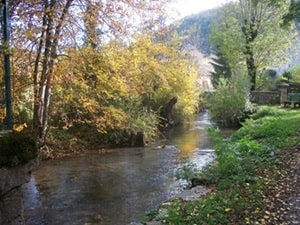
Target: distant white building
{"type": "Point", "coordinates": [205, 68]}
{"type": "Point", "coordinates": [205, 83]}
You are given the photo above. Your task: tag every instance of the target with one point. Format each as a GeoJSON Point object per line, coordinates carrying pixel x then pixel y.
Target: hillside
{"type": "Point", "coordinates": [196, 29]}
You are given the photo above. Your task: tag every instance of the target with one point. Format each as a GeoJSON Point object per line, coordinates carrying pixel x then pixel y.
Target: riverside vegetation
{"type": "Point", "coordinates": [254, 178]}
{"type": "Point", "coordinates": [17, 148]}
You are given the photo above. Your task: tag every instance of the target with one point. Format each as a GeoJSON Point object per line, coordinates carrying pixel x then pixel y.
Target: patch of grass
{"type": "Point", "coordinates": [277, 128]}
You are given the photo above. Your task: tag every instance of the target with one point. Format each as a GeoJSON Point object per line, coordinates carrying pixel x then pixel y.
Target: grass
{"type": "Point", "coordinates": [246, 164]}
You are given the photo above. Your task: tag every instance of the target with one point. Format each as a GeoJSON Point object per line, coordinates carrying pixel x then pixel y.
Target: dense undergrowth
{"type": "Point", "coordinates": [17, 148]}
{"type": "Point", "coordinates": [246, 165]}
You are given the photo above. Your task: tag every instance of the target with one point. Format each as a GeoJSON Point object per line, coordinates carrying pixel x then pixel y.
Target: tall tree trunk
{"type": "Point", "coordinates": [91, 23]}
{"type": "Point", "coordinates": [167, 110]}
{"type": "Point", "coordinates": [45, 58]}
{"type": "Point", "coordinates": [250, 32]}
{"type": "Point", "coordinates": [251, 68]}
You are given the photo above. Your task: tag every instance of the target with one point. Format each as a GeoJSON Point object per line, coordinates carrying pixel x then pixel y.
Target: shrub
{"type": "Point", "coordinates": [17, 148]}
{"type": "Point", "coordinates": [228, 102]}
{"type": "Point", "coordinates": [295, 74]}
{"type": "Point", "coordinates": [265, 111]}
{"type": "Point", "coordinates": [266, 80]}
{"type": "Point", "coordinates": [187, 172]}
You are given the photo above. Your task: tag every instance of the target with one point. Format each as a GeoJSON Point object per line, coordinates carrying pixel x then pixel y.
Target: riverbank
{"type": "Point", "coordinates": [255, 179]}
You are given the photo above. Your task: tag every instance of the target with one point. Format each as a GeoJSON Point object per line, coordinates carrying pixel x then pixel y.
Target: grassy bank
{"type": "Point", "coordinates": [253, 177]}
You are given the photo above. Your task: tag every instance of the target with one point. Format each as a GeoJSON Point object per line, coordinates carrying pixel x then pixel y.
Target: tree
{"type": "Point", "coordinates": [124, 88]}
{"type": "Point", "coordinates": [47, 54]}
{"type": "Point", "coordinates": [221, 67]}
{"type": "Point", "coordinates": [91, 23]}
{"type": "Point", "coordinates": [5, 49]}
{"type": "Point", "coordinates": [293, 13]}
{"type": "Point", "coordinates": [227, 38]}
{"type": "Point", "coordinates": [44, 30]}
{"type": "Point", "coordinates": [251, 33]}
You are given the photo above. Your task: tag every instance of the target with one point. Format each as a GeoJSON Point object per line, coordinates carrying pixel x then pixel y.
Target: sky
{"type": "Point", "coordinates": [188, 7]}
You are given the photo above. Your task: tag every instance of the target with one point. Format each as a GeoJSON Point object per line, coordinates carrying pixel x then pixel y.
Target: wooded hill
{"type": "Point", "coordinates": [196, 29]}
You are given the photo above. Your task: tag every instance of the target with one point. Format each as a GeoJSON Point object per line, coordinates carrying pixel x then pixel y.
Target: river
{"type": "Point", "coordinates": [117, 187]}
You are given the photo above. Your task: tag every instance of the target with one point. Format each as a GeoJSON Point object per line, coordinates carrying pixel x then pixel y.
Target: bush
{"type": "Point", "coordinates": [187, 172]}
{"type": "Point", "coordinates": [17, 149]}
{"type": "Point", "coordinates": [228, 103]}
{"type": "Point", "coordinates": [265, 111]}
{"type": "Point", "coordinates": [294, 74]}
{"type": "Point", "coordinates": [266, 80]}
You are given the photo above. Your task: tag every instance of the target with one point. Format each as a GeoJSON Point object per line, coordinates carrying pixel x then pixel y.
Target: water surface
{"type": "Point", "coordinates": [114, 188]}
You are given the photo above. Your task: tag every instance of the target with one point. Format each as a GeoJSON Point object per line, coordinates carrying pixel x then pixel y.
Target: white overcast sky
{"type": "Point", "coordinates": [188, 7]}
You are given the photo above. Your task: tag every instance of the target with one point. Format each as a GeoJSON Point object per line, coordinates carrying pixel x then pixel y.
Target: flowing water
{"type": "Point", "coordinates": [114, 188]}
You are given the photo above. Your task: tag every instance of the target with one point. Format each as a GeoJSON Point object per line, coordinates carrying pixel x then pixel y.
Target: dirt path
{"type": "Point", "coordinates": [283, 199]}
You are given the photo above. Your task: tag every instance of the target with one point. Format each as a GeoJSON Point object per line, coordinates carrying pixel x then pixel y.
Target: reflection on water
{"type": "Point", "coordinates": [191, 137]}
{"type": "Point", "coordinates": [112, 188]}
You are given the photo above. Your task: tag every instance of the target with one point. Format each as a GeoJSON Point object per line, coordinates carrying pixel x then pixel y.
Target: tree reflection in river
{"type": "Point", "coordinates": [191, 137]}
